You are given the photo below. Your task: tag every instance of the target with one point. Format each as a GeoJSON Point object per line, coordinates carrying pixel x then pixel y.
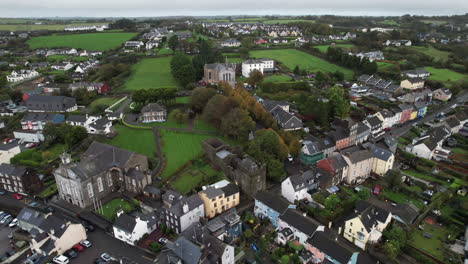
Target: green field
{"type": "Point", "coordinates": [32, 27]}
{"type": "Point", "coordinates": [151, 73]}
{"type": "Point", "coordinates": [390, 22]}
{"type": "Point", "coordinates": [178, 148]}
{"type": "Point", "coordinates": [258, 20]}
{"type": "Point", "coordinates": [445, 75]}
{"type": "Point", "coordinates": [56, 58]}
{"type": "Point", "coordinates": [324, 48]}
{"type": "Point", "coordinates": [291, 57]}
{"type": "Point", "coordinates": [285, 21]}
{"type": "Point", "coordinates": [109, 210]}
{"type": "Point", "coordinates": [433, 245]}
{"type": "Point", "coordinates": [90, 41]}
{"type": "Point", "coordinates": [107, 101]}
{"type": "Point", "coordinates": [277, 78]}
{"type": "Point", "coordinates": [438, 55]}
{"type": "Point", "coordinates": [383, 65]}
{"type": "Point", "coordinates": [138, 140]}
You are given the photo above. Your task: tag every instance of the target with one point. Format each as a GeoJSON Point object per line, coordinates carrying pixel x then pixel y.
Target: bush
{"type": "Point", "coordinates": [154, 246]}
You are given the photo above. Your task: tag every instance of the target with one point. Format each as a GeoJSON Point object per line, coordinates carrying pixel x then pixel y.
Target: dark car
{"type": "Point", "coordinates": [99, 261]}
{"type": "Point", "coordinates": [72, 254]}
{"type": "Point", "coordinates": [89, 227]}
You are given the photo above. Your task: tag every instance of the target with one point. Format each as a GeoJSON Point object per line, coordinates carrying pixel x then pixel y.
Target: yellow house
{"type": "Point", "coordinates": [412, 83]}
{"type": "Point", "coordinates": [219, 197]}
{"type": "Point", "coordinates": [383, 160]}
{"type": "Point", "coordinates": [366, 224]}
{"type": "Point", "coordinates": [413, 115]}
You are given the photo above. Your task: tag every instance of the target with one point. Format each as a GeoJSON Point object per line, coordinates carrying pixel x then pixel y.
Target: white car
{"type": "Point", "coordinates": [86, 243]}
{"type": "Point", "coordinates": [4, 219]}
{"type": "Point", "coordinates": [61, 259]}
{"type": "Point", "coordinates": [163, 240]}
{"type": "Point", "coordinates": [106, 257]}
{"type": "Point", "coordinates": [13, 223]}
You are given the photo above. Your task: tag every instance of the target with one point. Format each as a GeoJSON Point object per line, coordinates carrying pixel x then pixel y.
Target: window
{"type": "Point", "coordinates": [109, 180]}
{"type": "Point", "coordinates": [99, 184]}
{"type": "Point", "coordinates": [90, 190]}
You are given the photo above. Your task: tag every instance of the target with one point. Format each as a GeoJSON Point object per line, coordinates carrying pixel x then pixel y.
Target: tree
{"type": "Point", "coordinates": [296, 70]}
{"type": "Point", "coordinates": [339, 105]}
{"type": "Point", "coordinates": [173, 43]}
{"type": "Point", "coordinates": [256, 77]}
{"type": "Point", "coordinates": [179, 116]}
{"type": "Point", "coordinates": [200, 97]}
{"type": "Point", "coordinates": [393, 179]}
{"type": "Point", "coordinates": [267, 143]}
{"type": "Point", "coordinates": [285, 259]}
{"type": "Point", "coordinates": [390, 250]}
{"type": "Point", "coordinates": [244, 53]}
{"type": "Point", "coordinates": [363, 194]}
{"type": "Point", "coordinates": [275, 170]}
{"type": "Point", "coordinates": [16, 95]}
{"type": "Point", "coordinates": [215, 110]}
{"type": "Point", "coordinates": [237, 124]}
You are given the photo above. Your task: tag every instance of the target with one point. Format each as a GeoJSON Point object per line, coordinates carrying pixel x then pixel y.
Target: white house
{"type": "Point", "coordinates": [151, 44]}
{"type": "Point", "coordinates": [96, 125]}
{"type": "Point", "coordinates": [134, 44]}
{"type": "Point", "coordinates": [130, 229]}
{"type": "Point", "coordinates": [297, 187]}
{"type": "Point", "coordinates": [230, 43]}
{"type": "Point", "coordinates": [261, 65]}
{"type": "Point", "coordinates": [181, 212]}
{"type": "Point", "coordinates": [8, 151]}
{"type": "Point", "coordinates": [62, 66]}
{"type": "Point", "coordinates": [86, 27]}
{"type": "Point", "coordinates": [21, 75]}
{"type": "Point", "coordinates": [301, 227]}
{"type": "Point", "coordinates": [29, 136]}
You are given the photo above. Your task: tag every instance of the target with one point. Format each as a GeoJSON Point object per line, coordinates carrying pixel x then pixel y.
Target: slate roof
{"type": "Point", "coordinates": [387, 113]}
{"type": "Point", "coordinates": [77, 118]}
{"type": "Point", "coordinates": [340, 133]}
{"type": "Point", "coordinates": [12, 170]}
{"type": "Point", "coordinates": [312, 147]}
{"type": "Point", "coordinates": [273, 201]}
{"type": "Point", "coordinates": [303, 181]}
{"type": "Point", "coordinates": [230, 189]}
{"type": "Point", "coordinates": [304, 224]}
{"type": "Point", "coordinates": [438, 134]}
{"type": "Point", "coordinates": [50, 103]}
{"type": "Point", "coordinates": [369, 214]}
{"type": "Point", "coordinates": [192, 201]}
{"type": "Point", "coordinates": [44, 117]}
{"type": "Point", "coordinates": [222, 220]}
{"type": "Point", "coordinates": [419, 71]}
{"type": "Point", "coordinates": [374, 121]}
{"type": "Point", "coordinates": [362, 127]}
{"type": "Point", "coordinates": [324, 242]}
{"type": "Point", "coordinates": [54, 225]}
{"type": "Point", "coordinates": [125, 223]}
{"type": "Point", "coordinates": [172, 197]}
{"type": "Point", "coordinates": [31, 216]}
{"type": "Point", "coordinates": [269, 105]}
{"type": "Point", "coordinates": [153, 107]}
{"type": "Point", "coordinates": [380, 153]}
{"type": "Point", "coordinates": [364, 78]}
{"type": "Point", "coordinates": [452, 122]}
{"type": "Point", "coordinates": [358, 155]}
{"type": "Point", "coordinates": [186, 250]}
{"type": "Point", "coordinates": [135, 174]}
{"type": "Point", "coordinates": [221, 66]}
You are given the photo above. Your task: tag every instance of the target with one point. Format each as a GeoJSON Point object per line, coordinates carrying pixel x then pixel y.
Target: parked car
{"type": "Point", "coordinates": [2, 191]}
{"type": "Point", "coordinates": [13, 223]}
{"type": "Point", "coordinates": [78, 248]}
{"type": "Point", "coordinates": [8, 220]}
{"type": "Point", "coordinates": [17, 196]}
{"type": "Point", "coordinates": [30, 145]}
{"type": "Point", "coordinates": [99, 261]}
{"type": "Point", "coordinates": [4, 219]}
{"type": "Point", "coordinates": [163, 240]}
{"type": "Point", "coordinates": [61, 259]}
{"type": "Point", "coordinates": [376, 190]}
{"type": "Point", "coordinates": [86, 243]}
{"type": "Point", "coordinates": [89, 227]}
{"type": "Point", "coordinates": [72, 254]}
{"type": "Point", "coordinates": [33, 204]}
{"type": "Point", "coordinates": [106, 257]}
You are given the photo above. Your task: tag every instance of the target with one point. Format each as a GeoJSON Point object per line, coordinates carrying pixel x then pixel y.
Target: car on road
{"type": "Point", "coordinates": [163, 240]}
{"type": "Point", "coordinates": [9, 140]}
{"type": "Point", "coordinates": [78, 248]}
{"type": "Point", "coordinates": [61, 259]}
{"type": "Point", "coordinates": [376, 190]}
{"type": "Point", "coordinates": [72, 254]}
{"type": "Point", "coordinates": [13, 223]}
{"type": "Point", "coordinates": [86, 243]}
{"type": "Point", "coordinates": [10, 236]}
{"type": "Point", "coordinates": [89, 227]}
{"type": "Point", "coordinates": [17, 196]}
{"type": "Point", "coordinates": [106, 257]}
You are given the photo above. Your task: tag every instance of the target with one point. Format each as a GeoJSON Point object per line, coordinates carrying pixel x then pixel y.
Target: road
{"type": "Point", "coordinates": [402, 130]}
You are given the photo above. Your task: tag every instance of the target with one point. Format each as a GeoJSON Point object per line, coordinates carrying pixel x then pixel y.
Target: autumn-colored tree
{"type": "Point", "coordinates": [200, 97]}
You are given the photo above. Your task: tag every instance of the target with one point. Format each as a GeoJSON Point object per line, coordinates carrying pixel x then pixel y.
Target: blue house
{"type": "Point", "coordinates": [422, 109]}
{"type": "Point", "coordinates": [270, 206]}
{"type": "Point", "coordinates": [226, 227]}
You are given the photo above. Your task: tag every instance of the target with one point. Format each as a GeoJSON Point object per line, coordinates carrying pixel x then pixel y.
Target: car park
{"type": "Point", "coordinates": [61, 259]}
{"type": "Point", "coordinates": [8, 220]}
{"type": "Point", "coordinates": [99, 261]}
{"type": "Point", "coordinates": [4, 219]}
{"type": "Point", "coordinates": [86, 243]}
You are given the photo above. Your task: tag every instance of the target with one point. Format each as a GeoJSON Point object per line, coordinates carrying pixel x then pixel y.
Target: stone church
{"type": "Point", "coordinates": [102, 169]}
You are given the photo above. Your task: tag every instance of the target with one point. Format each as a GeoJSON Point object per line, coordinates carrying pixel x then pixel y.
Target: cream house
{"type": "Point", "coordinates": [219, 197]}
{"type": "Point", "coordinates": [359, 165]}
{"type": "Point", "coordinates": [383, 160]}
{"type": "Point", "coordinates": [412, 83]}
{"type": "Point", "coordinates": [366, 224]}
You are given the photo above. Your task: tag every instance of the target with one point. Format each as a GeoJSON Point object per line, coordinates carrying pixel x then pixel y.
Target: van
{"type": "Point", "coordinates": [61, 259]}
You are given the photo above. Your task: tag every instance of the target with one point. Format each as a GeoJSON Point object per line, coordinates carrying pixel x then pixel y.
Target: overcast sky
{"type": "Point", "coordinates": [135, 8]}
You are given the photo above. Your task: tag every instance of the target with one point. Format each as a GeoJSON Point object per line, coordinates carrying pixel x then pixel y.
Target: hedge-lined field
{"type": "Point", "coordinates": [89, 41]}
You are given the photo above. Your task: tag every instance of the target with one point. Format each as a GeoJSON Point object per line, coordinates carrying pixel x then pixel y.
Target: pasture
{"type": "Point", "coordinates": [151, 73]}
{"type": "Point", "coordinates": [17, 26]}
{"type": "Point", "coordinates": [445, 75]}
{"type": "Point", "coordinates": [438, 55]}
{"type": "Point", "coordinates": [324, 48]}
{"type": "Point", "coordinates": [90, 41]}
{"type": "Point", "coordinates": [291, 57]}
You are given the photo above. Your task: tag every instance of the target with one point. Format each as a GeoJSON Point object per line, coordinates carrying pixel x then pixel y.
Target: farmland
{"type": "Point", "coordinates": [17, 26]}
{"type": "Point", "coordinates": [324, 48]}
{"type": "Point", "coordinates": [259, 20]}
{"type": "Point", "coordinates": [290, 58]}
{"type": "Point", "coordinates": [438, 55]}
{"type": "Point", "coordinates": [90, 41]}
{"type": "Point", "coordinates": [151, 73]}
{"type": "Point", "coordinates": [444, 75]}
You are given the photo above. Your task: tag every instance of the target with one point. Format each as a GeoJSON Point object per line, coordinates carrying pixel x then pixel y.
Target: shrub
{"type": "Point", "coordinates": [154, 246]}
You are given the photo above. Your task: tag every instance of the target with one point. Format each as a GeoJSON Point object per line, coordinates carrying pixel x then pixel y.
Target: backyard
{"type": "Point", "coordinates": [151, 73]}
{"type": "Point", "coordinates": [90, 41]}
{"type": "Point", "coordinates": [133, 139]}
{"type": "Point", "coordinates": [109, 210]}
{"type": "Point", "coordinates": [193, 176]}
{"type": "Point", "coordinates": [433, 245]}
{"type": "Point", "coordinates": [291, 57]}
{"type": "Point", "coordinates": [277, 78]}
{"type": "Point", "coordinates": [36, 157]}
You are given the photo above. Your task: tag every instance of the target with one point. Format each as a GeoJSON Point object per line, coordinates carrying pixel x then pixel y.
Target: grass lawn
{"type": "Point", "coordinates": [424, 176]}
{"type": "Point", "coordinates": [277, 78]}
{"type": "Point", "coordinates": [201, 124]}
{"type": "Point", "coordinates": [390, 22]}
{"type": "Point", "coordinates": [401, 198]}
{"type": "Point", "coordinates": [133, 139]}
{"type": "Point", "coordinates": [461, 151]}
{"type": "Point", "coordinates": [50, 190]}
{"type": "Point", "coordinates": [444, 75]}
{"type": "Point", "coordinates": [383, 65]}
{"type": "Point", "coordinates": [151, 73]}
{"type": "Point", "coordinates": [37, 157]}
{"type": "Point", "coordinates": [170, 122]}
{"type": "Point", "coordinates": [179, 148]}
{"type": "Point", "coordinates": [107, 101]}
{"type": "Point", "coordinates": [182, 100]}
{"type": "Point", "coordinates": [439, 55]}
{"type": "Point", "coordinates": [324, 48]}
{"type": "Point", "coordinates": [91, 41]}
{"type": "Point", "coordinates": [110, 209]}
{"type": "Point", "coordinates": [234, 60]}
{"type": "Point", "coordinates": [434, 245]}
{"type": "Point", "coordinates": [192, 177]}
{"type": "Point", "coordinates": [291, 57]}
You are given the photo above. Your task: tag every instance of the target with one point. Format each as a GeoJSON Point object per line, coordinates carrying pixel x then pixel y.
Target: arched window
{"type": "Point", "coordinates": [90, 190]}
{"type": "Point", "coordinates": [99, 184]}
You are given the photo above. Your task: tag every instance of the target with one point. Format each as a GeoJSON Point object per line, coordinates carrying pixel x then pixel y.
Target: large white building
{"type": "Point", "coordinates": [21, 75]}
{"type": "Point", "coordinates": [86, 27]}
{"type": "Point", "coordinates": [261, 65]}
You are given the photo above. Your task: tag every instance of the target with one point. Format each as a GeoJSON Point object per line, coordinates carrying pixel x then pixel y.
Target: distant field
{"type": "Point", "coordinates": [436, 22]}
{"type": "Point", "coordinates": [291, 57]}
{"type": "Point", "coordinates": [151, 73]}
{"type": "Point", "coordinates": [259, 20]}
{"type": "Point", "coordinates": [433, 52]}
{"type": "Point", "coordinates": [445, 75]}
{"type": "Point", "coordinates": [390, 22]}
{"type": "Point", "coordinates": [27, 27]}
{"type": "Point", "coordinates": [324, 48]}
{"type": "Point", "coordinates": [285, 21]}
{"type": "Point", "coordinates": [382, 65]}
{"type": "Point", "coordinates": [91, 41]}
{"type": "Point", "coordinates": [16, 20]}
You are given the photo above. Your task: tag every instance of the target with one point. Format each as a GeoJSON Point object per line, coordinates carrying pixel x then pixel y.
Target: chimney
{"type": "Point", "coordinates": [137, 167]}
{"type": "Point", "coordinates": [185, 207]}
{"type": "Point", "coordinates": [119, 212]}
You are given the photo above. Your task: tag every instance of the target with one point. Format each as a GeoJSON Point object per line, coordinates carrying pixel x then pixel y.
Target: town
{"type": "Point", "coordinates": [234, 139]}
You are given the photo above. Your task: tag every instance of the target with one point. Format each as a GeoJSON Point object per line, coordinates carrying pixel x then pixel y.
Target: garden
{"type": "Point", "coordinates": [291, 57]}
{"type": "Point", "coordinates": [194, 176]}
{"type": "Point", "coordinates": [37, 157]}
{"type": "Point", "coordinates": [151, 73]}
{"type": "Point", "coordinates": [109, 210]}
{"type": "Point", "coordinates": [134, 139]}
{"type": "Point", "coordinates": [89, 41]}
